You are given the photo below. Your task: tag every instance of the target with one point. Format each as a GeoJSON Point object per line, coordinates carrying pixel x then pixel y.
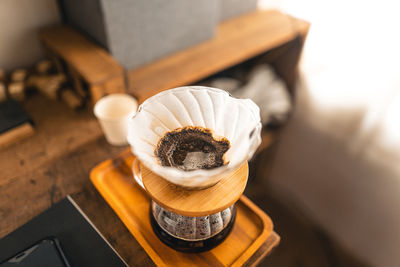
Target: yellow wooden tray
{"type": "Point", "coordinates": [251, 239]}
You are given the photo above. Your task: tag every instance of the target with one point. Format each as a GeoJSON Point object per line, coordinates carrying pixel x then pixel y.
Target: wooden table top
{"type": "Point", "coordinates": [91, 61]}
{"type": "Point", "coordinates": [56, 161]}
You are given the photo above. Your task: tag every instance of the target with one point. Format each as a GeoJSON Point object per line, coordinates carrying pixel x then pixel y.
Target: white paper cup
{"type": "Point", "coordinates": [113, 112]}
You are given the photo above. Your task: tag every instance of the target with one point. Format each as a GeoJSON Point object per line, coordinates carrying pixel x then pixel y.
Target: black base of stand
{"type": "Point", "coordinates": [192, 246]}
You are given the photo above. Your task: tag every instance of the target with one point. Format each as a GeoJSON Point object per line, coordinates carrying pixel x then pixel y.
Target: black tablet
{"type": "Point", "coordinates": [46, 252]}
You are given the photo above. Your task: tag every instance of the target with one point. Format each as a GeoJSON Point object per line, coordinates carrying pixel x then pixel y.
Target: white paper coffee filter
{"type": "Point", "coordinates": [236, 119]}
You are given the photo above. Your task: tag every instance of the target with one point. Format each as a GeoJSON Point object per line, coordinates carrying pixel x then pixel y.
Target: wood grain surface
{"type": "Point", "coordinates": [236, 40]}
{"type": "Point", "coordinates": [16, 134]}
{"type": "Point", "coordinates": [91, 61]}
{"type": "Point", "coordinates": [85, 61]}
{"type": "Point", "coordinates": [196, 202]}
{"type": "Point", "coordinates": [252, 228]}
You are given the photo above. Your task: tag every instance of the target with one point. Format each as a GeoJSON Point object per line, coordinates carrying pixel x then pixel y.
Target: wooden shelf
{"type": "Point", "coordinates": [236, 41]}
{"type": "Point", "coordinates": [83, 60]}
{"type": "Point", "coordinates": [92, 62]}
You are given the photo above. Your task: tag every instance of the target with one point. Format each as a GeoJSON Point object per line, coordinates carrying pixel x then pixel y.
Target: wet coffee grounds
{"type": "Point", "coordinates": [191, 148]}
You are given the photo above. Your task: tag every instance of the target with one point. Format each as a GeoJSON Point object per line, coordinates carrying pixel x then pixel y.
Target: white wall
{"type": "Point", "coordinates": [19, 23]}
{"type": "Point", "coordinates": [339, 156]}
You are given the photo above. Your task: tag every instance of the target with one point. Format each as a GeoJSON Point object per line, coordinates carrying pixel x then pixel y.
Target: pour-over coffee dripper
{"type": "Point", "coordinates": [194, 210]}
{"type": "Point", "coordinates": [238, 120]}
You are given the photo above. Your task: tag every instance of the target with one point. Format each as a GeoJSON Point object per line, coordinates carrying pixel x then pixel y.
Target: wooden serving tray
{"type": "Point", "coordinates": [251, 239]}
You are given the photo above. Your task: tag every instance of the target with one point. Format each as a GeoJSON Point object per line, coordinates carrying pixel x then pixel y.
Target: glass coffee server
{"type": "Point", "coordinates": [192, 220]}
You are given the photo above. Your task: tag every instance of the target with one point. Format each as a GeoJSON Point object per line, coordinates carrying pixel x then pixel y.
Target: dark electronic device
{"type": "Point", "coordinates": [46, 252]}
{"type": "Point", "coordinates": [15, 123]}
{"type": "Point", "coordinates": [65, 226]}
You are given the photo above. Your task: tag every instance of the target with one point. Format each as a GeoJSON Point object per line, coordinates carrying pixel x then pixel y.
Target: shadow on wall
{"type": "Point", "coordinates": [352, 195]}
{"type": "Point", "coordinates": [20, 20]}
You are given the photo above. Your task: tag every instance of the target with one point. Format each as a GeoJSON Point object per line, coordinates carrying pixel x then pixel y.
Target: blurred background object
{"type": "Point", "coordinates": [138, 32]}
{"type": "Point", "coordinates": [339, 154]}
{"type": "Point", "coordinates": [15, 123]}
{"type": "Point", "coordinates": [265, 88]}
{"type": "Point", "coordinates": [232, 8]}
{"type": "Point", "coordinates": [20, 21]}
